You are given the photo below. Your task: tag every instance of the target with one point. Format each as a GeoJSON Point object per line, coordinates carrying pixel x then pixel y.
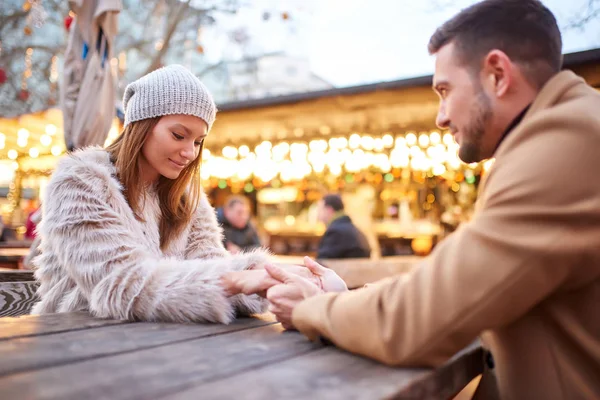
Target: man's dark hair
{"type": "Point", "coordinates": [233, 200]}
{"type": "Point", "coordinates": [523, 29]}
{"type": "Point", "coordinates": [334, 201]}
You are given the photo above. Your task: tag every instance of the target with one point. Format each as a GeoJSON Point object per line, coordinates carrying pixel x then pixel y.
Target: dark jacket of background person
{"type": "Point", "coordinates": [343, 240]}
{"type": "Point", "coordinates": [245, 238]}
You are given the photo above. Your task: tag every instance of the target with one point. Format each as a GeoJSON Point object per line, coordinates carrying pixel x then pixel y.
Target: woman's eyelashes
{"type": "Point", "coordinates": [181, 137]}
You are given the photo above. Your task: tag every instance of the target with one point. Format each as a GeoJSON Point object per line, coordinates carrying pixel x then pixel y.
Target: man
{"type": "Point", "coordinates": [239, 233]}
{"type": "Point", "coordinates": [524, 273]}
{"type": "Point", "coordinates": [341, 239]}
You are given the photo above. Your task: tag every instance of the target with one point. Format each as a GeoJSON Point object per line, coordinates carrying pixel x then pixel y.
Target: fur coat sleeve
{"type": "Point", "coordinates": [86, 235]}
{"type": "Point", "coordinates": [205, 241]}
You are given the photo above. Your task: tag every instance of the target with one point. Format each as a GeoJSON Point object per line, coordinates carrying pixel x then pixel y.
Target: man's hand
{"type": "Point", "coordinates": [290, 291]}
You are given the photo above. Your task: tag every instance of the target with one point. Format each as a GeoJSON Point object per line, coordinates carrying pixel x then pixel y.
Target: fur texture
{"type": "Point", "coordinates": [96, 256]}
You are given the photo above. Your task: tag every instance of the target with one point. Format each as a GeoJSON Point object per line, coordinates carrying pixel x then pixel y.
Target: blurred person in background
{"type": "Point", "coordinates": [342, 239]}
{"type": "Point", "coordinates": [239, 233]}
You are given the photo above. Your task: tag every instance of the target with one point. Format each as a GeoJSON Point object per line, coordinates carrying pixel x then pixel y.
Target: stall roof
{"type": "Point", "coordinates": [571, 60]}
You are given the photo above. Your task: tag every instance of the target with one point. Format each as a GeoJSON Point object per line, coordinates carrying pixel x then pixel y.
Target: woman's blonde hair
{"type": "Point", "coordinates": [178, 198]}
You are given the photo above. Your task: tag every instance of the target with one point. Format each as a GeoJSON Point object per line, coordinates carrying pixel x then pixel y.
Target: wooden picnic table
{"type": "Point", "coordinates": [76, 356]}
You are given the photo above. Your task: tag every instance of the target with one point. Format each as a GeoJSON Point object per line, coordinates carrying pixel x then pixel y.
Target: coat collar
{"type": "Point", "coordinates": [550, 94]}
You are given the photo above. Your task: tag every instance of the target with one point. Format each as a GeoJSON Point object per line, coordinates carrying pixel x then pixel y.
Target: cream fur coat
{"type": "Point", "coordinates": [96, 256]}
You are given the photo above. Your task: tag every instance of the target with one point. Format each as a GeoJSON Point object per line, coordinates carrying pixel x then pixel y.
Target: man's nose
{"type": "Point", "coordinates": [442, 121]}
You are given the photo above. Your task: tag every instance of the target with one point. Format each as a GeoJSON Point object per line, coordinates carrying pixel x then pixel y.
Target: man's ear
{"type": "Point", "coordinates": [497, 72]}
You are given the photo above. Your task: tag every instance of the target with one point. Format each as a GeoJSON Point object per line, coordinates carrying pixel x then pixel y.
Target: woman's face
{"type": "Point", "coordinates": [173, 144]}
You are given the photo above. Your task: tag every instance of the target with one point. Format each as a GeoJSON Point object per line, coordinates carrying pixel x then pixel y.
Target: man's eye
{"type": "Point", "coordinates": [176, 136]}
{"type": "Point", "coordinates": [197, 143]}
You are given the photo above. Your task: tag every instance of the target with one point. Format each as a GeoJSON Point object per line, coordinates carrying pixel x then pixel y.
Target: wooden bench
{"type": "Point", "coordinates": [17, 292]}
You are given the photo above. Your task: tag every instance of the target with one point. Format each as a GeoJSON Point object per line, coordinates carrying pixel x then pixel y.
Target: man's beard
{"type": "Point", "coordinates": [470, 150]}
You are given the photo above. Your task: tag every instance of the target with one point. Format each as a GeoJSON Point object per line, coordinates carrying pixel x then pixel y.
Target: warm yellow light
{"type": "Point", "coordinates": [23, 133]}
{"type": "Point", "coordinates": [325, 130]}
{"type": "Point", "coordinates": [448, 139]}
{"type": "Point", "coordinates": [318, 145]}
{"type": "Point", "coordinates": [22, 141]}
{"type": "Point", "coordinates": [423, 140]}
{"type": "Point", "coordinates": [2, 137]}
{"type": "Point", "coordinates": [205, 154]}
{"type": "Point", "coordinates": [411, 139]}
{"type": "Point", "coordinates": [12, 154]}
{"type": "Point", "coordinates": [298, 132]}
{"type": "Point", "coordinates": [243, 150]}
{"type": "Point", "coordinates": [335, 170]}
{"type": "Point", "coordinates": [45, 140]}
{"type": "Point", "coordinates": [34, 152]}
{"type": "Point", "coordinates": [15, 165]}
{"type": "Point", "coordinates": [367, 142]}
{"type": "Point", "coordinates": [439, 169]}
{"type": "Point", "coordinates": [488, 164]}
{"type": "Point", "coordinates": [435, 137]}
{"type": "Point", "coordinates": [51, 129]}
{"type": "Point", "coordinates": [290, 219]}
{"type": "Point", "coordinates": [113, 133]}
{"type": "Point", "coordinates": [388, 140]}
{"type": "Point", "coordinates": [2, 145]}
{"type": "Point", "coordinates": [230, 152]}
{"type": "Point", "coordinates": [354, 141]}
{"type": "Point", "coordinates": [56, 150]}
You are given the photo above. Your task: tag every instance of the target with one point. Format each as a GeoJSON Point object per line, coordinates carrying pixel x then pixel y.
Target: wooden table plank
{"type": "Point", "coordinates": [17, 298]}
{"type": "Point", "coordinates": [12, 275]}
{"type": "Point", "coordinates": [159, 371]}
{"type": "Point", "coordinates": [34, 325]}
{"type": "Point", "coordinates": [31, 353]}
{"type": "Point", "coordinates": [328, 373]}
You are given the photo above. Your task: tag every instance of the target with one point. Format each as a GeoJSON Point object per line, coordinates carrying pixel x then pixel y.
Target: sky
{"type": "Point", "coordinates": [353, 42]}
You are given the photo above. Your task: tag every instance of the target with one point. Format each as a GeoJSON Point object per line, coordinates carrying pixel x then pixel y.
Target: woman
{"type": "Point", "coordinates": [127, 232]}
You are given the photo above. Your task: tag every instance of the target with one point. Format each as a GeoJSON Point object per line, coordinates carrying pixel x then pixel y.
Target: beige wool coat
{"type": "Point", "coordinates": [523, 274]}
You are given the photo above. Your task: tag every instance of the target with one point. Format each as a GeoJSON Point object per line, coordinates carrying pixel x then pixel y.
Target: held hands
{"type": "Point", "coordinates": [257, 281]}
{"type": "Point", "coordinates": [285, 296]}
{"type": "Point", "coordinates": [284, 285]}
{"type": "Point", "coordinates": [293, 288]}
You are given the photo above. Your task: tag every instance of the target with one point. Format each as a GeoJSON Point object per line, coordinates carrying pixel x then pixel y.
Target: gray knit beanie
{"type": "Point", "coordinates": [167, 91]}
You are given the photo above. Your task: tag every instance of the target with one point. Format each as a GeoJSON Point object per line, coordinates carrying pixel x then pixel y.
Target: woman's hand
{"type": "Point", "coordinates": [331, 282]}
{"type": "Point", "coordinates": [250, 281]}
